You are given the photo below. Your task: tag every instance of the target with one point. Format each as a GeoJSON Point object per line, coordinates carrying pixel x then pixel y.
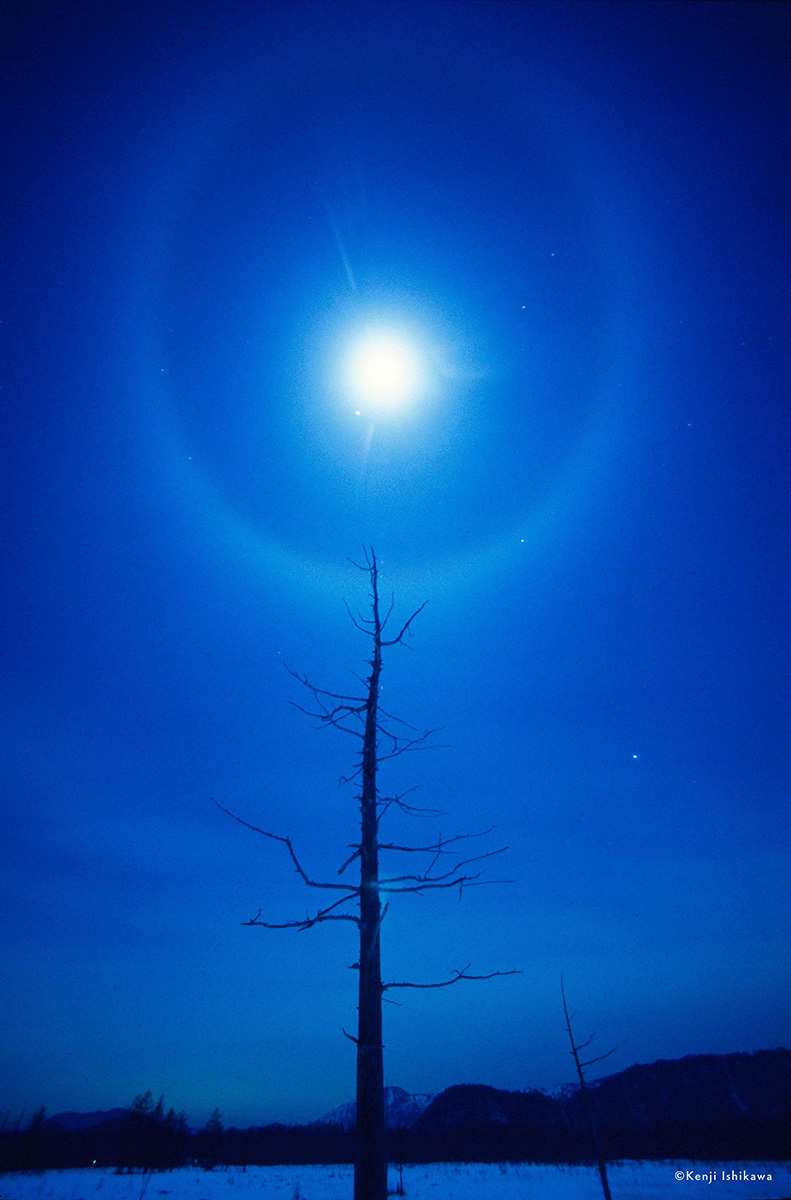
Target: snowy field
{"type": "Point", "coordinates": [435, 1181]}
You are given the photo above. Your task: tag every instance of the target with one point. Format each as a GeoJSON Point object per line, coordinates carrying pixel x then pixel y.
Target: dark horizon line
{"type": "Point", "coordinates": [571, 1086]}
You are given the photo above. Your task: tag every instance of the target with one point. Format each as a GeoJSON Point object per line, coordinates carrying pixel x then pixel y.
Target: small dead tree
{"type": "Point", "coordinates": [382, 737]}
{"type": "Point", "coordinates": [586, 1097]}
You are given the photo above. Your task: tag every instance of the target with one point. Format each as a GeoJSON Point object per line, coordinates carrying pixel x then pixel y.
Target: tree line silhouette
{"type": "Point", "coordinates": [147, 1137]}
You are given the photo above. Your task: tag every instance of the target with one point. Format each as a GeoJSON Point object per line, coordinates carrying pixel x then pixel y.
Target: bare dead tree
{"type": "Point", "coordinates": [383, 737]}
{"type": "Point", "coordinates": [586, 1097]}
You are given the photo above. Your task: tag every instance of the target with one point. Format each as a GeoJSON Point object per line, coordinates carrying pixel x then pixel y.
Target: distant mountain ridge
{"type": "Point", "coordinates": [706, 1106]}
{"type": "Point", "coordinates": [401, 1111]}
{"type": "Point", "coordinates": [700, 1088]}
{"type": "Point", "coordinates": [73, 1121]}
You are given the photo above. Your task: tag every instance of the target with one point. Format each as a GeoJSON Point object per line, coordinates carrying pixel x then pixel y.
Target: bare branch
{"type": "Point", "coordinates": [276, 837]}
{"type": "Point", "coordinates": [577, 1046]}
{"type": "Point", "coordinates": [334, 719]}
{"type": "Point", "coordinates": [403, 747]}
{"type": "Point", "coordinates": [411, 809]}
{"type": "Point", "coordinates": [428, 878]}
{"type": "Point", "coordinates": [465, 881]}
{"type": "Point", "coordinates": [323, 691]}
{"type": "Point", "coordinates": [347, 707]}
{"type": "Point", "coordinates": [350, 860]}
{"type": "Point", "coordinates": [388, 800]}
{"type": "Point", "coordinates": [600, 1058]}
{"type": "Point", "coordinates": [328, 715]}
{"type": "Point", "coordinates": [582, 1045]}
{"type": "Point", "coordinates": [307, 923]}
{"type": "Point", "coordinates": [401, 739]}
{"type": "Point", "coordinates": [324, 914]}
{"type": "Point", "coordinates": [359, 621]}
{"type": "Point", "coordinates": [439, 847]}
{"type": "Point", "coordinates": [391, 717]}
{"type": "Point", "coordinates": [457, 977]}
{"type": "Point", "coordinates": [386, 617]}
{"type": "Point", "coordinates": [360, 566]}
{"type": "Point", "coordinates": [394, 641]}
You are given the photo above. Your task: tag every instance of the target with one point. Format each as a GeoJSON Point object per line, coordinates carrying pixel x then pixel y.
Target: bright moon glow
{"type": "Point", "coordinates": [385, 370]}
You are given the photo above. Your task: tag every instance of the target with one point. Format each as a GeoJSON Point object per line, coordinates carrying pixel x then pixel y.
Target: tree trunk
{"type": "Point", "coordinates": [600, 1163]}
{"type": "Point", "coordinates": [370, 1167]}
{"type": "Point", "coordinates": [359, 715]}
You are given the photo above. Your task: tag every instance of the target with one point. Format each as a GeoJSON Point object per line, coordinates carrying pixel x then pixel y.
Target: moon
{"type": "Point", "coordinates": [384, 370]}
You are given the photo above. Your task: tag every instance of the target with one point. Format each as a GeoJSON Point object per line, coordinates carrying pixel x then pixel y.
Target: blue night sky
{"type": "Point", "coordinates": [578, 215]}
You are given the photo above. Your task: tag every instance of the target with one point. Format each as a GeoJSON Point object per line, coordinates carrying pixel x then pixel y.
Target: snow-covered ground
{"type": "Point", "coordinates": [434, 1181]}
